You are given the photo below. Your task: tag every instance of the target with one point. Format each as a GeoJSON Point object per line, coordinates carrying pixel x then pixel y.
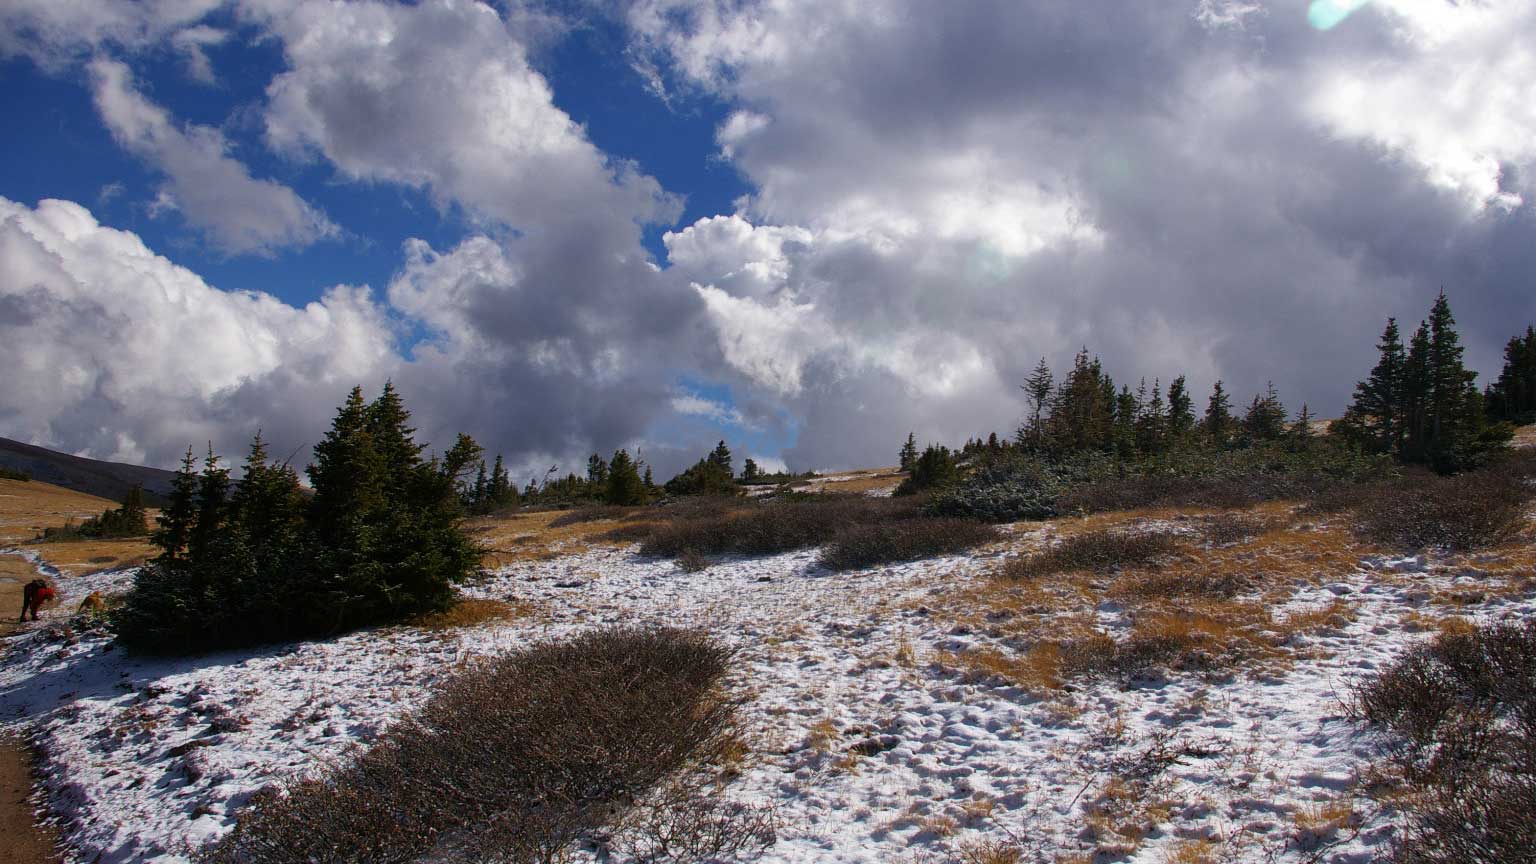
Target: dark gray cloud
{"type": "Point", "coordinates": [1185, 192]}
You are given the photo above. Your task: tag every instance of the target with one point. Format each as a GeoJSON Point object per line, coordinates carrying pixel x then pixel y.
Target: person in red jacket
{"type": "Point", "coordinates": [33, 596]}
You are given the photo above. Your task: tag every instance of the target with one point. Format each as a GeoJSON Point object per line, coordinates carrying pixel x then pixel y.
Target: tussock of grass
{"type": "Point", "coordinates": [1097, 551]}
{"type": "Point", "coordinates": [908, 540]}
{"type": "Point", "coordinates": [472, 612]}
{"type": "Point", "coordinates": [520, 758]}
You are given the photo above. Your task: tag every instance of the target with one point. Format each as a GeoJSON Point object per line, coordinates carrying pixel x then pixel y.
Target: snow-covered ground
{"type": "Point", "coordinates": [870, 747]}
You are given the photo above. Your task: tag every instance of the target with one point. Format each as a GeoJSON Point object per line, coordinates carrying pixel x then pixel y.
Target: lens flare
{"type": "Point", "coordinates": [1328, 14]}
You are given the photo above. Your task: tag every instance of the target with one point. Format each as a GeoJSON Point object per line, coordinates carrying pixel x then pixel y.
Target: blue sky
{"type": "Point", "coordinates": [807, 227]}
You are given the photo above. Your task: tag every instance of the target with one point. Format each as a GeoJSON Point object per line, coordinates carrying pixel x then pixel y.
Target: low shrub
{"type": "Point", "coordinates": [906, 540]}
{"type": "Point", "coordinates": [520, 758]}
{"type": "Point", "coordinates": [1098, 551]}
{"type": "Point", "coordinates": [1459, 719]}
{"type": "Point", "coordinates": [1461, 512]}
{"type": "Point", "coordinates": [1225, 529]}
{"type": "Point", "coordinates": [769, 528]}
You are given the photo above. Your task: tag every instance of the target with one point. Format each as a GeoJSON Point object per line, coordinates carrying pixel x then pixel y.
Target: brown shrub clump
{"type": "Point", "coordinates": [907, 540]}
{"type": "Point", "coordinates": [773, 527]}
{"type": "Point", "coordinates": [1459, 718]}
{"type": "Point", "coordinates": [519, 758]}
{"type": "Point", "coordinates": [1097, 551]}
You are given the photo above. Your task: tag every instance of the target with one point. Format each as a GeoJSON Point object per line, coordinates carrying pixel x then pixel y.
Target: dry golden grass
{"type": "Point", "coordinates": [860, 485]}
{"type": "Point", "coordinates": [529, 537]}
{"type": "Point", "coordinates": [1198, 851]}
{"type": "Point", "coordinates": [26, 508]}
{"type": "Point", "coordinates": [1323, 819]}
{"type": "Point", "coordinates": [1525, 436]}
{"type": "Point", "coordinates": [473, 612]}
{"type": "Point", "coordinates": [1208, 608]}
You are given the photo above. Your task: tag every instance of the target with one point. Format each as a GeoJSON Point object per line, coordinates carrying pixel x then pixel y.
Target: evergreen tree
{"type": "Point", "coordinates": [1152, 425]}
{"type": "Point", "coordinates": [212, 506]}
{"type": "Point", "coordinates": [1416, 397]}
{"type": "Point", "coordinates": [1265, 420]}
{"type": "Point", "coordinates": [1218, 421]}
{"type": "Point", "coordinates": [935, 467]}
{"type": "Point", "coordinates": [909, 452]}
{"type": "Point", "coordinates": [346, 473]}
{"type": "Point", "coordinates": [1038, 388]}
{"type": "Point", "coordinates": [476, 499]}
{"type": "Point", "coordinates": [1181, 412]}
{"type": "Point", "coordinates": [624, 484]}
{"type": "Point", "coordinates": [460, 456]}
{"type": "Point", "coordinates": [721, 457]}
{"type": "Point", "coordinates": [268, 504]}
{"type": "Point", "coordinates": [179, 515]}
{"type": "Point", "coordinates": [1376, 418]}
{"type": "Point", "coordinates": [397, 452]}
{"type": "Point", "coordinates": [1513, 396]}
{"type": "Point", "coordinates": [650, 485]}
{"type": "Point", "coordinates": [749, 471]}
{"type": "Point", "coordinates": [1127, 409]}
{"type": "Point", "coordinates": [1082, 408]}
{"type": "Point", "coordinates": [1301, 430]}
{"type": "Point", "coordinates": [501, 492]}
{"type": "Point", "coordinates": [597, 472]}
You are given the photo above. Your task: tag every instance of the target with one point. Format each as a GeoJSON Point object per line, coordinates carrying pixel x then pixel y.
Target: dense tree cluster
{"type": "Point", "coordinates": [263, 561]}
{"type": "Point", "coordinates": [1420, 403]}
{"type": "Point", "coordinates": [712, 475]}
{"type": "Point", "coordinates": [127, 520]}
{"type": "Point", "coordinates": [1513, 396]}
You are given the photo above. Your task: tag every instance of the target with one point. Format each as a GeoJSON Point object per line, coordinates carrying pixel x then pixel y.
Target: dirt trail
{"type": "Point", "coordinates": [25, 842]}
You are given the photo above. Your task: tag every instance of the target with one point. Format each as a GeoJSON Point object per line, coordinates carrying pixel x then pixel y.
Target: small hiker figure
{"type": "Point", "coordinates": [33, 595]}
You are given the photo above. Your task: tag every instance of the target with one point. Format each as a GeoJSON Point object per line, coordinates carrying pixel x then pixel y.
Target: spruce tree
{"type": "Point", "coordinates": [268, 505]}
{"type": "Point", "coordinates": [347, 472]}
{"type": "Point", "coordinates": [212, 507]}
{"type": "Point", "coordinates": [1265, 420]}
{"type": "Point", "coordinates": [1217, 423]}
{"type": "Point", "coordinates": [501, 491]}
{"type": "Point", "coordinates": [175, 522]}
{"type": "Point", "coordinates": [1181, 412]}
{"type": "Point", "coordinates": [909, 452]}
{"type": "Point", "coordinates": [597, 473]}
{"type": "Point", "coordinates": [1416, 397]}
{"type": "Point", "coordinates": [721, 458]}
{"type": "Point", "coordinates": [1038, 388]}
{"type": "Point", "coordinates": [1127, 408]}
{"type": "Point", "coordinates": [749, 471]}
{"type": "Point", "coordinates": [650, 484]}
{"type": "Point", "coordinates": [1513, 396]}
{"type": "Point", "coordinates": [393, 442]}
{"type": "Point", "coordinates": [1301, 431]}
{"type": "Point", "coordinates": [1376, 419]}
{"type": "Point", "coordinates": [476, 498]}
{"type": "Point", "coordinates": [624, 484]}
{"type": "Point", "coordinates": [1152, 425]}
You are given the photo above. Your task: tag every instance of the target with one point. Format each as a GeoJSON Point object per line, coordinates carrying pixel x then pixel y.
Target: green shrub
{"type": "Point", "coordinates": [935, 469]}
{"type": "Point", "coordinates": [127, 520]}
{"type": "Point", "coordinates": [906, 540]}
{"type": "Point", "coordinates": [379, 541]}
{"type": "Point", "coordinates": [522, 758]}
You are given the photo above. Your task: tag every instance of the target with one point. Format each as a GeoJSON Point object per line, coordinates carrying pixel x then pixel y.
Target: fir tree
{"type": "Point", "coordinates": [909, 452]}
{"type": "Point", "coordinates": [392, 439]}
{"type": "Point", "coordinates": [1416, 397]}
{"type": "Point", "coordinates": [624, 484]}
{"type": "Point", "coordinates": [1265, 420]}
{"type": "Point", "coordinates": [501, 492]}
{"type": "Point", "coordinates": [1181, 412]}
{"type": "Point", "coordinates": [1152, 425]}
{"type": "Point", "coordinates": [1375, 419]}
{"type": "Point", "coordinates": [749, 471]}
{"type": "Point", "coordinates": [935, 467]}
{"type": "Point", "coordinates": [175, 522]}
{"type": "Point", "coordinates": [1082, 408]}
{"type": "Point", "coordinates": [650, 485]}
{"type": "Point", "coordinates": [721, 457]}
{"type": "Point", "coordinates": [212, 506]}
{"type": "Point", "coordinates": [1127, 407]}
{"type": "Point", "coordinates": [1301, 430]}
{"type": "Point", "coordinates": [268, 504]}
{"type": "Point", "coordinates": [1037, 387]}
{"type": "Point", "coordinates": [1217, 423]}
{"type": "Point", "coordinates": [1513, 396]}
{"type": "Point", "coordinates": [597, 472]}
{"type": "Point", "coordinates": [477, 493]}
{"type": "Point", "coordinates": [347, 471]}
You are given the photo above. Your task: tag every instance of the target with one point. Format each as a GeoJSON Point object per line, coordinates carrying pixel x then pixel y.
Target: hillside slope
{"type": "Point", "coordinates": [92, 476]}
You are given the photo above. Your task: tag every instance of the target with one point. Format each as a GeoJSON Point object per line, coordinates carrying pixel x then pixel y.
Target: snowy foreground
{"type": "Point", "coordinates": [143, 757]}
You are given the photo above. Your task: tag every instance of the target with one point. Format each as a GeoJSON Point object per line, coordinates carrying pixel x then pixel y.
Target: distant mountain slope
{"type": "Point", "coordinates": [92, 476]}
